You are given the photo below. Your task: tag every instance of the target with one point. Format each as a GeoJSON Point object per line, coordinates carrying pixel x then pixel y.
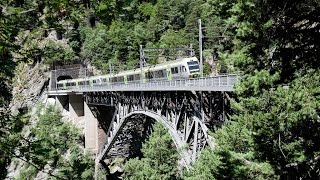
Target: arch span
{"type": "Point", "coordinates": [180, 112]}
{"type": "Point", "coordinates": [178, 139]}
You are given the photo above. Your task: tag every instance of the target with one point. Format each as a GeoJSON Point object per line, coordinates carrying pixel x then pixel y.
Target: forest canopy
{"type": "Point", "coordinates": [273, 132]}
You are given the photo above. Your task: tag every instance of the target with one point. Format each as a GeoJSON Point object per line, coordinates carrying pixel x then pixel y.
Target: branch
{"type": "Point", "coordinates": [8, 150]}
{"type": "Point", "coordinates": [311, 161]}
{"type": "Point", "coordinates": [281, 148]}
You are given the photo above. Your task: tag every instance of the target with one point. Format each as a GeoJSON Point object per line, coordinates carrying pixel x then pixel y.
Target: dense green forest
{"type": "Point", "coordinates": [274, 131]}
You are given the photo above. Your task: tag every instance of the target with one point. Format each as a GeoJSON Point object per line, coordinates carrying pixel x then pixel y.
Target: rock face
{"type": "Point", "coordinates": [29, 84]}
{"type": "Point", "coordinates": [213, 63]}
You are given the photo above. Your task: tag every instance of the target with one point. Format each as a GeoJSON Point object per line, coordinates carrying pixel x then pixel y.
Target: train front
{"type": "Point", "coordinates": [193, 66]}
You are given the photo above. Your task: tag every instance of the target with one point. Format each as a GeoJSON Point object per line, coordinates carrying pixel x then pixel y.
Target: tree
{"type": "Point", "coordinates": [55, 52]}
{"type": "Point", "coordinates": [275, 47]}
{"type": "Point", "coordinates": [54, 143]}
{"type": "Point", "coordinates": [275, 116]}
{"type": "Point", "coordinates": [159, 158]}
{"type": "Point", "coordinates": [9, 126]}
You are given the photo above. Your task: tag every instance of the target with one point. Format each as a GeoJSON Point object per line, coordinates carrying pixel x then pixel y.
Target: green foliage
{"type": "Point", "coordinates": [225, 164]}
{"type": "Point", "coordinates": [159, 158]}
{"type": "Point", "coordinates": [233, 158]}
{"type": "Point", "coordinates": [77, 166]}
{"type": "Point", "coordinates": [10, 135]}
{"type": "Point", "coordinates": [95, 45]}
{"type": "Point", "coordinates": [54, 143]}
{"type": "Point", "coordinates": [173, 38]}
{"type": "Point", "coordinates": [22, 26]}
{"type": "Point", "coordinates": [206, 68]}
{"type": "Point", "coordinates": [55, 52]}
{"type": "Point", "coordinates": [27, 172]}
{"type": "Point", "coordinates": [288, 127]}
{"type": "Point", "coordinates": [276, 106]}
{"type": "Point", "coordinates": [273, 132]}
{"type": "Point", "coordinates": [147, 9]}
{"type": "Point", "coordinates": [10, 126]}
{"type": "Point", "coordinates": [273, 129]}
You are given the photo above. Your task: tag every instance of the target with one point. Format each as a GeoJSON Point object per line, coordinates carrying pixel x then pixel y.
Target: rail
{"type": "Point", "coordinates": [216, 83]}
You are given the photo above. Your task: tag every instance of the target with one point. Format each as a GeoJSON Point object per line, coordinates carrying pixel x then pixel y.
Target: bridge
{"type": "Point", "coordinates": [186, 107]}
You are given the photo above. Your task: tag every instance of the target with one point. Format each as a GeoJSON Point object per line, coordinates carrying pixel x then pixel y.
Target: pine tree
{"type": "Point", "coordinates": [159, 158]}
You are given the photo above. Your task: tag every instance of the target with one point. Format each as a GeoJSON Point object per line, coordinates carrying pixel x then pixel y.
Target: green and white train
{"type": "Point", "coordinates": [183, 68]}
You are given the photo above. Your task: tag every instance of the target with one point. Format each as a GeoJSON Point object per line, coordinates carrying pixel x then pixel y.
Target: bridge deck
{"type": "Point", "coordinates": [216, 83]}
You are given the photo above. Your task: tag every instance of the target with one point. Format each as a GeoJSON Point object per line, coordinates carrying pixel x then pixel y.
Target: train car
{"type": "Point", "coordinates": [183, 68]}
{"type": "Point", "coordinates": [179, 69]}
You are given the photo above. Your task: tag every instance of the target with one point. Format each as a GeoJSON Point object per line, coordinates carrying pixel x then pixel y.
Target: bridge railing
{"type": "Point", "coordinates": [223, 81]}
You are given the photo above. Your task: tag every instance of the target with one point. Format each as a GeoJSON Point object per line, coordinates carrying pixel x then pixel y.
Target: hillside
{"type": "Point", "coordinates": [273, 132]}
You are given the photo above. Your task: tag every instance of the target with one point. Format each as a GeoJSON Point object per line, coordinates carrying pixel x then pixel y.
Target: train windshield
{"type": "Point", "coordinates": [193, 66]}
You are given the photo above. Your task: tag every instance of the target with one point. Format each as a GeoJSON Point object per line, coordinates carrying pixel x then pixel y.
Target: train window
{"type": "Point", "coordinates": [163, 72]}
{"type": "Point", "coordinates": [184, 69]}
{"type": "Point", "coordinates": [104, 80]}
{"type": "Point", "coordinates": [130, 78]}
{"type": "Point", "coordinates": [137, 77]}
{"type": "Point", "coordinates": [149, 75]}
{"type": "Point", "coordinates": [157, 74]}
{"type": "Point", "coordinates": [81, 83]}
{"type": "Point", "coordinates": [94, 81]}
{"type": "Point", "coordinates": [71, 84]}
{"type": "Point", "coordinates": [193, 65]}
{"type": "Point", "coordinates": [174, 70]}
{"type": "Point", "coordinates": [120, 79]}
{"type": "Point", "coordinates": [160, 73]}
{"type": "Point", "coordinates": [114, 79]}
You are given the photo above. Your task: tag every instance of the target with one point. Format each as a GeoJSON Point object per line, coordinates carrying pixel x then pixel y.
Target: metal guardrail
{"type": "Point", "coordinates": [216, 83]}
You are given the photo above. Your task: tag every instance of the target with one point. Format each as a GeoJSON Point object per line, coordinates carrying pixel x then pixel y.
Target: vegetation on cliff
{"type": "Point", "coordinates": [274, 130]}
{"type": "Point", "coordinates": [52, 147]}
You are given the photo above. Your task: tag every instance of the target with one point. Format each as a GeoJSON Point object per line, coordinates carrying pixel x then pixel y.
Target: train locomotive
{"type": "Point", "coordinates": [183, 68]}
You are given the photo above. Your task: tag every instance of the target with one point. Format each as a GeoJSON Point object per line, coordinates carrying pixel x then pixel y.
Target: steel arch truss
{"type": "Point", "coordinates": [187, 115]}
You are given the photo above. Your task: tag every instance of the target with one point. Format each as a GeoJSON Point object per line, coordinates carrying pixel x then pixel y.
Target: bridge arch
{"type": "Point", "coordinates": [181, 145]}
{"type": "Point", "coordinates": [179, 112]}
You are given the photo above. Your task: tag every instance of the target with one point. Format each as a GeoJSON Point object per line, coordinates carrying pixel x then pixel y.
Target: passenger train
{"type": "Point", "coordinates": [183, 68]}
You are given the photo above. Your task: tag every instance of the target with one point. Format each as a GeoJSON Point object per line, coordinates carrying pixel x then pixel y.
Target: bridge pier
{"type": "Point", "coordinates": [61, 102]}
{"type": "Point", "coordinates": [76, 109]}
{"type": "Point", "coordinates": [90, 130]}
{"type": "Point", "coordinates": [82, 116]}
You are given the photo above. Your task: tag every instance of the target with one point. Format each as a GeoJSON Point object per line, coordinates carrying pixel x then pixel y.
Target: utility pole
{"type": "Point", "coordinates": [201, 69]}
{"type": "Point", "coordinates": [141, 76]}
{"type": "Point", "coordinates": [141, 63]}
{"type": "Point", "coordinates": [200, 48]}
{"type": "Point", "coordinates": [110, 69]}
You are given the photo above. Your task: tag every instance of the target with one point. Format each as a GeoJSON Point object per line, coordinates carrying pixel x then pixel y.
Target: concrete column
{"type": "Point", "coordinates": [90, 130]}
{"type": "Point", "coordinates": [61, 102]}
{"type": "Point", "coordinates": [102, 138]}
{"type": "Point", "coordinates": [76, 108]}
